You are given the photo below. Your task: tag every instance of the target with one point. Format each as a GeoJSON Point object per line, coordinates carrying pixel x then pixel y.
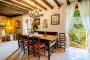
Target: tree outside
{"type": "Point", "coordinates": [77, 34]}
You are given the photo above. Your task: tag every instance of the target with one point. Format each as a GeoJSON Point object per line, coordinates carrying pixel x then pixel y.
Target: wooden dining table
{"type": "Point", "coordinates": [50, 39]}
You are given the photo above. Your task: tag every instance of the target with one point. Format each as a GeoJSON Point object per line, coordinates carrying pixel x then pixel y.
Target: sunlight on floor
{"type": "Point", "coordinates": [7, 48]}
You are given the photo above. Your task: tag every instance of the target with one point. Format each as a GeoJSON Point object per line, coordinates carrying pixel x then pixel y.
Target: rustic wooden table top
{"type": "Point", "coordinates": [47, 37]}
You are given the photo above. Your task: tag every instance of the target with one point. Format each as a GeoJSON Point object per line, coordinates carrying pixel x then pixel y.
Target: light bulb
{"type": "Point", "coordinates": [9, 27]}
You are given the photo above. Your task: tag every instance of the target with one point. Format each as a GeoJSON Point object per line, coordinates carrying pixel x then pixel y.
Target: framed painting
{"type": "Point", "coordinates": [55, 19]}
{"type": "Point", "coordinates": [37, 21]}
{"type": "Point", "coordinates": [17, 24]}
{"type": "Point", "coordinates": [45, 23]}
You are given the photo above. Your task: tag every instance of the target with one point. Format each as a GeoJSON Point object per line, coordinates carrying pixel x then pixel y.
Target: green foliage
{"type": "Point", "coordinates": [76, 14]}
{"type": "Point", "coordinates": [73, 37]}
{"type": "Point", "coordinates": [77, 34]}
{"type": "Point", "coordinates": [34, 27]}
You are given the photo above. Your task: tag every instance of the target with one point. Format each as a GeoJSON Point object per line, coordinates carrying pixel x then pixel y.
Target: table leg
{"type": "Point", "coordinates": [28, 51]}
{"type": "Point", "coordinates": [18, 45]}
{"type": "Point", "coordinates": [49, 50]}
{"type": "Point", "coordinates": [56, 44]}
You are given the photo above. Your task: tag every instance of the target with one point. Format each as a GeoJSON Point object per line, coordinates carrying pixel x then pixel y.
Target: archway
{"type": "Point", "coordinates": [77, 33]}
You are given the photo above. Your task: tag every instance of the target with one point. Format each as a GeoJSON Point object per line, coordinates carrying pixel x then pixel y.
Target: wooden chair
{"type": "Point", "coordinates": [37, 46]}
{"type": "Point", "coordinates": [62, 41]}
{"type": "Point", "coordinates": [26, 44]}
{"type": "Point", "coordinates": [20, 40]}
{"type": "Point", "coordinates": [3, 39]}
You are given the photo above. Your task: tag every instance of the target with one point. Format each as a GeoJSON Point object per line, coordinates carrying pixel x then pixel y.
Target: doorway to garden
{"type": "Point", "coordinates": [77, 33]}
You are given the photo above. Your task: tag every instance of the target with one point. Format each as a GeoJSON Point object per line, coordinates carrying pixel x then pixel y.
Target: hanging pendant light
{"type": "Point", "coordinates": [36, 12]}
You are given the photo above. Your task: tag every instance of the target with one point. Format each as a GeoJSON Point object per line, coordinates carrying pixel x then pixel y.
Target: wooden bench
{"type": "Point", "coordinates": [51, 33]}
{"type": "Point", "coordinates": [40, 32]}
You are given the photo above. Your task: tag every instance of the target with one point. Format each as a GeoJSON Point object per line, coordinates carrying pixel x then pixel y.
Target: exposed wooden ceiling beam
{"type": "Point", "coordinates": [5, 11]}
{"type": "Point", "coordinates": [12, 7]}
{"type": "Point", "coordinates": [8, 13]}
{"type": "Point", "coordinates": [10, 10]}
{"type": "Point", "coordinates": [45, 2]}
{"type": "Point", "coordinates": [68, 2]}
{"type": "Point", "coordinates": [39, 4]}
{"type": "Point", "coordinates": [57, 3]}
{"type": "Point", "coordinates": [2, 14]}
{"type": "Point", "coordinates": [26, 3]}
{"type": "Point", "coordinates": [13, 2]}
{"type": "Point", "coordinates": [79, 0]}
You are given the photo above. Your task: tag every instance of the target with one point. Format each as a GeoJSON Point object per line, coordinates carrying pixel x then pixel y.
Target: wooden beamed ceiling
{"type": "Point", "coordinates": [68, 2]}
{"type": "Point", "coordinates": [4, 8]}
{"type": "Point", "coordinates": [79, 0]}
{"type": "Point", "coordinates": [36, 2]}
{"type": "Point", "coordinates": [26, 3]}
{"type": "Point", "coordinates": [13, 2]}
{"type": "Point", "coordinates": [12, 8]}
{"type": "Point", "coordinates": [45, 2]}
{"type": "Point", "coordinates": [57, 3]}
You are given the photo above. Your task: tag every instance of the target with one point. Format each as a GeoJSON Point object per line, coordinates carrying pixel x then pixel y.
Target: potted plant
{"type": "Point", "coordinates": [34, 27]}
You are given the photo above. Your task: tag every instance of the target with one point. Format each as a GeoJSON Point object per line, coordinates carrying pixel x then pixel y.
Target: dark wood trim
{"type": "Point", "coordinates": [68, 2]}
{"type": "Point", "coordinates": [57, 3]}
{"type": "Point", "coordinates": [79, 0]}
{"type": "Point", "coordinates": [45, 2]}
{"type": "Point", "coordinates": [15, 3]}
{"type": "Point", "coordinates": [39, 4]}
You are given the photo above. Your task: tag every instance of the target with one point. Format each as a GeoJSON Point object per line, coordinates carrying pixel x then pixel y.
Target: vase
{"type": "Point", "coordinates": [45, 34]}
{"type": "Point", "coordinates": [35, 33]}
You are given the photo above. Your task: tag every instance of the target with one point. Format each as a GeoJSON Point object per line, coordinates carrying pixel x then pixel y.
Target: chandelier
{"type": "Point", "coordinates": [36, 12]}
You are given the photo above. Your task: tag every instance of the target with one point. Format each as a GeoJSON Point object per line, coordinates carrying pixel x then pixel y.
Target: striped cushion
{"type": "Point", "coordinates": [27, 44]}
{"type": "Point", "coordinates": [38, 47]}
{"type": "Point", "coordinates": [20, 41]}
{"type": "Point", "coordinates": [63, 41]}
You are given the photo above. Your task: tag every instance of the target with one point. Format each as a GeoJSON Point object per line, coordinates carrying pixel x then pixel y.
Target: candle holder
{"type": "Point", "coordinates": [45, 34]}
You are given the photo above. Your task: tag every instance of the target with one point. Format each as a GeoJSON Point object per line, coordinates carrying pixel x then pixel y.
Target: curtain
{"type": "Point", "coordinates": [69, 18]}
{"type": "Point", "coordinates": [84, 9]}
{"type": "Point", "coordinates": [63, 17]}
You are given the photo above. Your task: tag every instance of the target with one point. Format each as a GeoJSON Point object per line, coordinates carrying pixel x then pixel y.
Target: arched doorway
{"type": "Point", "coordinates": [77, 33]}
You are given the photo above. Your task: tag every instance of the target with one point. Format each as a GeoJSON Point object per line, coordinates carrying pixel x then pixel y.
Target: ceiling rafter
{"type": "Point", "coordinates": [12, 7]}
{"type": "Point", "coordinates": [45, 2]}
{"type": "Point", "coordinates": [9, 11]}
{"type": "Point", "coordinates": [39, 4]}
{"type": "Point", "coordinates": [57, 3]}
{"type": "Point", "coordinates": [9, 5]}
{"type": "Point", "coordinates": [5, 11]}
{"type": "Point", "coordinates": [13, 2]}
{"type": "Point", "coordinates": [79, 0]}
{"type": "Point", "coordinates": [68, 2]}
{"type": "Point", "coordinates": [18, 7]}
{"type": "Point", "coordinates": [26, 3]}
{"type": "Point", "coordinates": [9, 14]}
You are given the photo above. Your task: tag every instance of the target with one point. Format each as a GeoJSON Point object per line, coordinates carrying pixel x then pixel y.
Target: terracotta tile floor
{"type": "Point", "coordinates": [10, 51]}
